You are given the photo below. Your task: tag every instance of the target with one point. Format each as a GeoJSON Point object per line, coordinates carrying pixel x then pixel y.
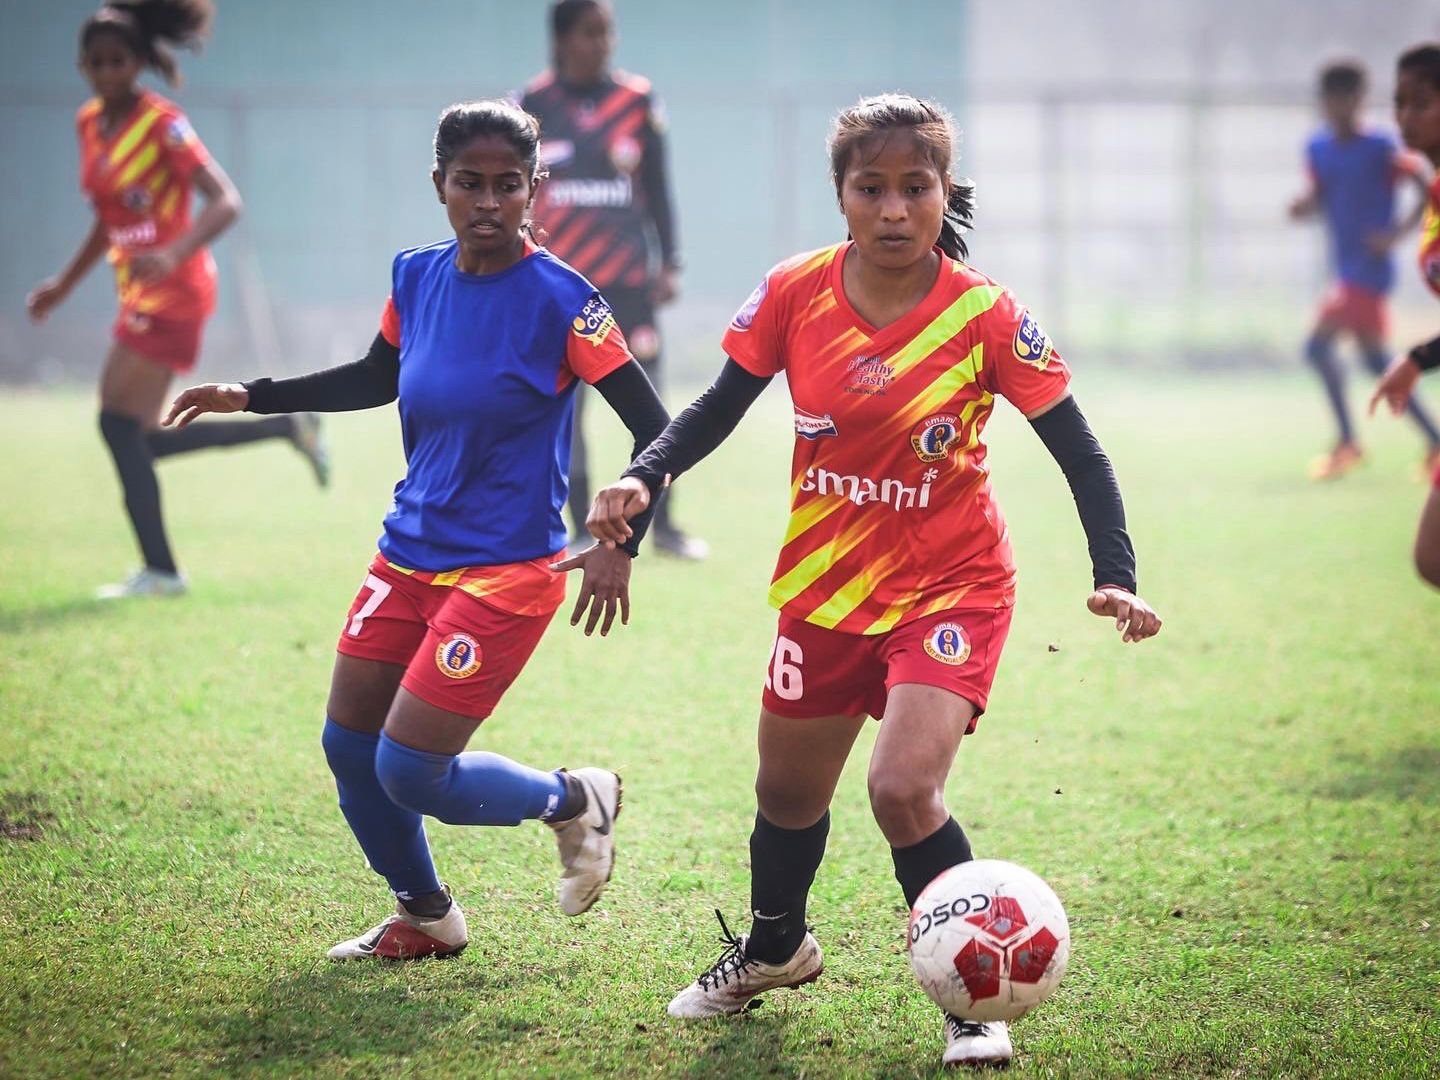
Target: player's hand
{"type": "Point", "coordinates": [666, 287]}
{"type": "Point", "coordinates": [604, 588]}
{"type": "Point", "coordinates": [614, 506]}
{"type": "Point", "coordinates": [199, 400]}
{"type": "Point", "coordinates": [1303, 206]}
{"type": "Point", "coordinates": [1134, 618]}
{"type": "Point", "coordinates": [44, 298]}
{"type": "Point", "coordinates": [1396, 385]}
{"type": "Point", "coordinates": [153, 265]}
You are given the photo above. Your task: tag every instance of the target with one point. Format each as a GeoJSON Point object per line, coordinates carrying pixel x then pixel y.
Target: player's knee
{"type": "Point", "coordinates": [1319, 353]}
{"type": "Point", "coordinates": [1427, 563]}
{"type": "Point", "coordinates": [350, 754]}
{"type": "Point", "coordinates": [905, 806]}
{"type": "Point", "coordinates": [786, 805]}
{"type": "Point", "coordinates": [117, 428]}
{"type": "Point", "coordinates": [414, 781]}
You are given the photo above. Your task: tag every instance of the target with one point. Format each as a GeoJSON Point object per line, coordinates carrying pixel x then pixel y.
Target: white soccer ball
{"type": "Point", "coordinates": [988, 940]}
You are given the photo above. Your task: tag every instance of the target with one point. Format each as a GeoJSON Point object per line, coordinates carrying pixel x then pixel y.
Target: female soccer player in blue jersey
{"type": "Point", "coordinates": [482, 341]}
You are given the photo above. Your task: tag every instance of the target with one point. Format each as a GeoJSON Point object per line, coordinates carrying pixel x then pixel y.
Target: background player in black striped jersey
{"type": "Point", "coordinates": [607, 208]}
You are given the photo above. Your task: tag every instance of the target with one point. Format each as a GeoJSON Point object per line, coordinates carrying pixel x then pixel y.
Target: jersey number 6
{"type": "Point", "coordinates": [784, 676]}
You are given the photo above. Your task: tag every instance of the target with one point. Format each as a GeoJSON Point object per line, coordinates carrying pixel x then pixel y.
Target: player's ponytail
{"type": "Point", "coordinates": [152, 29]}
{"type": "Point", "coordinates": [932, 126]}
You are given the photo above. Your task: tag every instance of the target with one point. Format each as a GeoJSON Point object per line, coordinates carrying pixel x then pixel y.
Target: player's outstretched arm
{"type": "Point", "coordinates": [51, 292]}
{"type": "Point", "coordinates": [1398, 382]}
{"type": "Point", "coordinates": [1066, 434]}
{"type": "Point", "coordinates": [687, 440]}
{"type": "Point", "coordinates": [371, 381]}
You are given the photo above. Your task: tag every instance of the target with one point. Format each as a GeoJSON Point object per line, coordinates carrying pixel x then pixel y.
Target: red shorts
{"type": "Point", "coordinates": [1349, 307]}
{"type": "Point", "coordinates": [460, 653]}
{"type": "Point", "coordinates": [819, 672]}
{"type": "Point", "coordinates": [172, 343]}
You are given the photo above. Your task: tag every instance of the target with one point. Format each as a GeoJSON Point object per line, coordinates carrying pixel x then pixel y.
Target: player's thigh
{"type": "Point", "coordinates": [361, 692]}
{"type": "Point", "coordinates": [801, 760]}
{"type": "Point", "coordinates": [134, 386]}
{"type": "Point", "coordinates": [1427, 537]}
{"type": "Point", "coordinates": [918, 739]}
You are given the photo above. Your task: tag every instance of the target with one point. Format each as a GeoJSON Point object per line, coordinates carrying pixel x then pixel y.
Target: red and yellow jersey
{"type": "Point", "coordinates": [1430, 238]}
{"type": "Point", "coordinates": [892, 516]}
{"type": "Point", "coordinates": [139, 180]}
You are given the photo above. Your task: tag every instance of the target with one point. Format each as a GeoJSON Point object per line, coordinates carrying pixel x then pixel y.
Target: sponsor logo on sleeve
{"type": "Point", "coordinates": [809, 426]}
{"type": "Point", "coordinates": [595, 321]}
{"type": "Point", "coordinates": [932, 438]}
{"type": "Point", "coordinates": [1031, 345]}
{"type": "Point", "coordinates": [179, 132]}
{"type": "Point", "coordinates": [947, 643]}
{"type": "Point", "coordinates": [746, 315]}
{"type": "Point", "coordinates": [458, 656]}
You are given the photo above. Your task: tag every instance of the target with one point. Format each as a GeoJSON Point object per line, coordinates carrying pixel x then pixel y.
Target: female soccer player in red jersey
{"type": "Point", "coordinates": [607, 209]}
{"type": "Point", "coordinates": [482, 342]}
{"type": "Point", "coordinates": [1417, 112]}
{"type": "Point", "coordinates": [895, 580]}
{"type": "Point", "coordinates": [140, 161]}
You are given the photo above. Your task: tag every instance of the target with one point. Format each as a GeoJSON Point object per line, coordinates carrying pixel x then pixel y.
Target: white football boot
{"type": "Point", "coordinates": [408, 937]}
{"type": "Point", "coordinates": [729, 984]}
{"type": "Point", "coordinates": [587, 841]}
{"type": "Point", "coordinates": [145, 582]}
{"type": "Point", "coordinates": [970, 1042]}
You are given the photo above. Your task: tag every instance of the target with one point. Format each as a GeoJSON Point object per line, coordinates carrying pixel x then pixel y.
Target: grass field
{"type": "Point", "coordinates": [1242, 816]}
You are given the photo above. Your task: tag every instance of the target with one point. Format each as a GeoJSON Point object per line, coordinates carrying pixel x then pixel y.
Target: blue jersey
{"type": "Point", "coordinates": [1355, 179]}
{"type": "Point", "coordinates": [488, 365]}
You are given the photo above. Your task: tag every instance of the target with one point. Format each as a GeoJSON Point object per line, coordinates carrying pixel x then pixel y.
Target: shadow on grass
{"type": "Point", "coordinates": [752, 1045]}
{"type": "Point", "coordinates": [25, 620]}
{"type": "Point", "coordinates": [1411, 773]}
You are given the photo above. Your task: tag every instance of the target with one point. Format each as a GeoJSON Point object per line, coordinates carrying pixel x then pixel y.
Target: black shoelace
{"type": "Point", "coordinates": [732, 961]}
{"type": "Point", "coordinates": [964, 1029]}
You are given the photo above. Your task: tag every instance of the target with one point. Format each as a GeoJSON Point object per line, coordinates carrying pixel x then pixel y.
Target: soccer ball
{"type": "Point", "coordinates": [988, 940]}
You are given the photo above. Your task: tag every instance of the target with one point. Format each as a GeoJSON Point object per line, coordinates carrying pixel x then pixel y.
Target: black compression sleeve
{"type": "Point", "coordinates": [629, 392]}
{"type": "Point", "coordinates": [1427, 356]}
{"type": "Point", "coordinates": [1073, 445]}
{"type": "Point", "coordinates": [700, 428]}
{"type": "Point", "coordinates": [364, 384]}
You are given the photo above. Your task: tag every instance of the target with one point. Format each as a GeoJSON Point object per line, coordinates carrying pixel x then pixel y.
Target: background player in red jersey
{"type": "Point", "coordinates": [1417, 112]}
{"type": "Point", "coordinates": [1353, 175]}
{"type": "Point", "coordinates": [895, 581]}
{"type": "Point", "coordinates": [463, 587]}
{"type": "Point", "coordinates": [606, 209]}
{"type": "Point", "coordinates": [140, 161]}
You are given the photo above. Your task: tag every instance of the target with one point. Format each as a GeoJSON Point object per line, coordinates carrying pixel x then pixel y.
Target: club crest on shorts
{"type": "Point", "coordinates": [947, 643]}
{"type": "Point", "coordinates": [595, 321]}
{"type": "Point", "coordinates": [458, 656]}
{"type": "Point", "coordinates": [1031, 345]}
{"type": "Point", "coordinates": [932, 438]}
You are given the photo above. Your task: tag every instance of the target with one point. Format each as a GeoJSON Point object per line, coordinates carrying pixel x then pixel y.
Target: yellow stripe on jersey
{"type": "Point", "coordinates": [132, 137]}
{"type": "Point", "coordinates": [809, 569]}
{"type": "Point", "coordinates": [138, 164]}
{"type": "Point", "coordinates": [448, 577]}
{"type": "Point", "coordinates": [158, 181]}
{"type": "Point", "coordinates": [972, 303]}
{"type": "Point", "coordinates": [168, 204]}
{"type": "Point", "coordinates": [854, 592]}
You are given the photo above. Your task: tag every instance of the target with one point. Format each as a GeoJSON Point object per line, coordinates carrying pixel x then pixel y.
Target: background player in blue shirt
{"type": "Point", "coordinates": [1353, 173]}
{"type": "Point", "coordinates": [482, 341]}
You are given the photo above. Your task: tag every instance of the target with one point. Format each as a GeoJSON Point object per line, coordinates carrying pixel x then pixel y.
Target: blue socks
{"type": "Point", "coordinates": [473, 788]}
{"type": "Point", "coordinates": [392, 838]}
{"type": "Point", "coordinates": [1320, 351]}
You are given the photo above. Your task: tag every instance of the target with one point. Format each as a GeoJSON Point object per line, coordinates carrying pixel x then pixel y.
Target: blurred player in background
{"type": "Point", "coordinates": [1417, 113]}
{"type": "Point", "coordinates": [463, 587]}
{"type": "Point", "coordinates": [1353, 174]}
{"type": "Point", "coordinates": [606, 209]}
{"type": "Point", "coordinates": [896, 580]}
{"type": "Point", "coordinates": [140, 162]}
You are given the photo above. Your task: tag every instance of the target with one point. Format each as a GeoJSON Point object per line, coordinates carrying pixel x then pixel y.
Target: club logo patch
{"type": "Point", "coordinates": [136, 200]}
{"type": "Point", "coordinates": [809, 426]}
{"type": "Point", "coordinates": [746, 315]}
{"type": "Point", "coordinates": [625, 153]}
{"type": "Point", "coordinates": [458, 656]}
{"type": "Point", "coordinates": [948, 644]}
{"type": "Point", "coordinates": [595, 321]}
{"type": "Point", "coordinates": [1031, 345]}
{"type": "Point", "coordinates": [932, 438]}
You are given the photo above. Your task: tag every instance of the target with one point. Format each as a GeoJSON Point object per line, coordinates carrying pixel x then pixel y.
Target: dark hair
{"type": "Point", "coordinates": [564, 14]}
{"type": "Point", "coordinates": [1424, 60]}
{"type": "Point", "coordinates": [1342, 77]}
{"type": "Point", "coordinates": [468, 120]}
{"type": "Point", "coordinates": [152, 28]}
{"type": "Point", "coordinates": [932, 126]}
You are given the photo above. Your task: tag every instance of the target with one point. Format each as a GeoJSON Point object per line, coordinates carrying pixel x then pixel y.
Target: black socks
{"type": "Point", "coordinates": [136, 469]}
{"type": "Point", "coordinates": [919, 864]}
{"type": "Point", "coordinates": [430, 905]}
{"type": "Point", "coordinates": [782, 868]}
{"type": "Point", "coordinates": [572, 805]}
{"type": "Point", "coordinates": [207, 433]}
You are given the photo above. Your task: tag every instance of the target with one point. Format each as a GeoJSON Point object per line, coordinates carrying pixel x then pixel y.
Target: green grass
{"type": "Point", "coordinates": [1242, 817]}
